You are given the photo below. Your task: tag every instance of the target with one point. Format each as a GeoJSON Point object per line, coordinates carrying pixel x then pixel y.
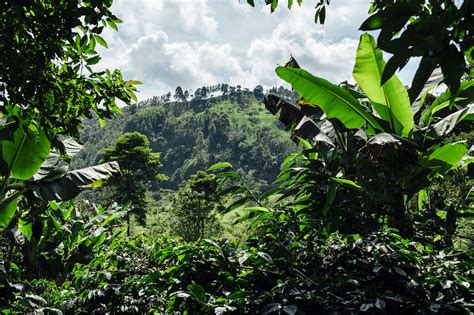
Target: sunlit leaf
{"type": "Point", "coordinates": [25, 154]}
{"type": "Point", "coordinates": [374, 22]}
{"type": "Point", "coordinates": [101, 41]}
{"type": "Point", "coordinates": [390, 100]}
{"type": "Point", "coordinates": [7, 212]}
{"type": "Point", "coordinates": [335, 101]}
{"type": "Point", "coordinates": [449, 154]}
{"type": "Point", "coordinates": [346, 182]}
{"type": "Point", "coordinates": [219, 165]}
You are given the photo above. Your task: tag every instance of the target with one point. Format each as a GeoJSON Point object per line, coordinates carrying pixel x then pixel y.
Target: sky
{"type": "Point", "coordinates": [194, 43]}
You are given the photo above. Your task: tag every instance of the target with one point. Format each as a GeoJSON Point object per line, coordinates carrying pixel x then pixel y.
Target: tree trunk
{"type": "Point", "coordinates": [398, 217]}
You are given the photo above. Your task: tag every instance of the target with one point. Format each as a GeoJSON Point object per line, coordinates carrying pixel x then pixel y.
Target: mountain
{"type": "Point", "coordinates": [219, 123]}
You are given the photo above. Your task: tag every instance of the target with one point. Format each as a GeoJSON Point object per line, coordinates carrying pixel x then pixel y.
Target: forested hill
{"type": "Point", "coordinates": [219, 123]}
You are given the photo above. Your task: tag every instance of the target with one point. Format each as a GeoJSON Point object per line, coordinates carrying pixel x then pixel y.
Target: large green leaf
{"type": "Point", "coordinates": [7, 211]}
{"type": "Point", "coordinates": [55, 166]}
{"type": "Point", "coordinates": [223, 165]}
{"type": "Point", "coordinates": [335, 101]}
{"type": "Point", "coordinates": [347, 182]}
{"type": "Point", "coordinates": [390, 100]}
{"type": "Point", "coordinates": [449, 155]}
{"type": "Point", "coordinates": [25, 154]}
{"type": "Point", "coordinates": [462, 97]}
{"type": "Point", "coordinates": [71, 184]}
{"type": "Point", "coordinates": [447, 124]}
{"type": "Point", "coordinates": [197, 292]}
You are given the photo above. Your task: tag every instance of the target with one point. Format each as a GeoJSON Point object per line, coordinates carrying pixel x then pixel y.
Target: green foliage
{"type": "Point", "coordinates": [320, 7]}
{"type": "Point", "coordinates": [283, 267]}
{"type": "Point", "coordinates": [233, 127]}
{"type": "Point", "coordinates": [51, 179]}
{"type": "Point", "coordinates": [194, 208]}
{"type": "Point", "coordinates": [47, 55]}
{"type": "Point", "coordinates": [335, 101]}
{"type": "Point", "coordinates": [438, 31]}
{"type": "Point", "coordinates": [321, 240]}
{"type": "Point", "coordinates": [48, 86]}
{"type": "Point", "coordinates": [387, 164]}
{"type": "Point", "coordinates": [390, 100]}
{"type": "Point", "coordinates": [64, 235]}
{"type": "Point", "coordinates": [139, 167]}
{"type": "Point", "coordinates": [24, 154]}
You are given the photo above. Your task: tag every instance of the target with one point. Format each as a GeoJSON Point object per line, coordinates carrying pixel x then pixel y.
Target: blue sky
{"type": "Point", "coordinates": [191, 43]}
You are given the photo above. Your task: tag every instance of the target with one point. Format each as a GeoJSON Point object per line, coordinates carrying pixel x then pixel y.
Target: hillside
{"type": "Point", "coordinates": [192, 135]}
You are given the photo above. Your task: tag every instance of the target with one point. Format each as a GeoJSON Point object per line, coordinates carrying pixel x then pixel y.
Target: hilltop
{"type": "Point", "coordinates": [196, 130]}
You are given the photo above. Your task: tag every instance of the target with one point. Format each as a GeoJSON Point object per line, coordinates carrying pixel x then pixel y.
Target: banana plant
{"type": "Point", "coordinates": [382, 149]}
{"type": "Point", "coordinates": [66, 233]}
{"type": "Point", "coordinates": [30, 168]}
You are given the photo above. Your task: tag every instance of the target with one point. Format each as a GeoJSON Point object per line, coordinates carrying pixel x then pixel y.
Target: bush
{"type": "Point", "coordinates": [284, 270]}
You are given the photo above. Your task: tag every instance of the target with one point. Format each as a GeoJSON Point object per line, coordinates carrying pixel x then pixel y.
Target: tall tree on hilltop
{"type": "Point", "coordinates": [139, 166]}
{"type": "Point", "coordinates": [258, 92]}
{"type": "Point", "coordinates": [179, 94]}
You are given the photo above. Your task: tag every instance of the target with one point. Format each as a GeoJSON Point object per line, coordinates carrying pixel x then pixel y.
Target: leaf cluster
{"type": "Point", "coordinates": [47, 55]}
{"type": "Point", "coordinates": [373, 150]}
{"type": "Point", "coordinates": [284, 268]}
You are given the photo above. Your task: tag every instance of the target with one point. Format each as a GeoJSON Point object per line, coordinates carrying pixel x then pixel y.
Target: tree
{"type": "Point", "coordinates": [179, 94]}
{"type": "Point", "coordinates": [47, 51]}
{"type": "Point", "coordinates": [224, 89]}
{"type": "Point", "coordinates": [204, 92]}
{"type": "Point", "coordinates": [139, 166]}
{"type": "Point", "coordinates": [258, 92]}
{"type": "Point", "coordinates": [194, 207]}
{"type": "Point", "coordinates": [48, 85]}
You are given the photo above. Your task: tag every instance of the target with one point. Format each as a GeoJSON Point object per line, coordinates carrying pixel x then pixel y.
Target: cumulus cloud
{"type": "Point", "coordinates": [182, 18]}
{"type": "Point", "coordinates": [167, 64]}
{"type": "Point", "coordinates": [323, 57]}
{"type": "Point", "coordinates": [309, 44]}
{"type": "Point", "coordinates": [168, 43]}
{"type": "Point", "coordinates": [198, 16]}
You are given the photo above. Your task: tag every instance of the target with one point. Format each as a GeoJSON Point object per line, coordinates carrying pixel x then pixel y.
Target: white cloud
{"type": "Point", "coordinates": [333, 61]}
{"type": "Point", "coordinates": [164, 65]}
{"type": "Point", "coordinates": [197, 15]}
{"type": "Point", "coordinates": [201, 42]}
{"type": "Point", "coordinates": [310, 46]}
{"type": "Point", "coordinates": [241, 6]}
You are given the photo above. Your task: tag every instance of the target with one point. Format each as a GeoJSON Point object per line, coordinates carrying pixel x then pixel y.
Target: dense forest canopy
{"type": "Point", "coordinates": [357, 198]}
{"type": "Point", "coordinates": [231, 125]}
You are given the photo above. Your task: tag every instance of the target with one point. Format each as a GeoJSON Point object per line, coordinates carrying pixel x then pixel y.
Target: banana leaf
{"type": "Point", "coordinates": [72, 183]}
{"type": "Point", "coordinates": [390, 100]}
{"type": "Point", "coordinates": [336, 102]}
